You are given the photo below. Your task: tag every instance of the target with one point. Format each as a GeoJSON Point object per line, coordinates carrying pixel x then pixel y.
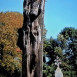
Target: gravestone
{"type": "Point", "coordinates": [58, 72]}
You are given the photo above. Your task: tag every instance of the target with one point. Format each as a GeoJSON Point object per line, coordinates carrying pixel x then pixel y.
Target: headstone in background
{"type": "Point", "coordinates": [58, 72]}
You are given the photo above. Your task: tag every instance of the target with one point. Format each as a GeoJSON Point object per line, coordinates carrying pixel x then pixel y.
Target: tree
{"type": "Point", "coordinates": [11, 58]}
{"type": "Point", "coordinates": [70, 49]}
{"type": "Point", "coordinates": [65, 46]}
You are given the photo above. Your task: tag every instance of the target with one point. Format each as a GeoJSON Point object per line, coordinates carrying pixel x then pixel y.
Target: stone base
{"type": "Point", "coordinates": [58, 72]}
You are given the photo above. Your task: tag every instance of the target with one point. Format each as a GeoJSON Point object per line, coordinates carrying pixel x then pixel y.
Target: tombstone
{"type": "Point", "coordinates": [58, 72]}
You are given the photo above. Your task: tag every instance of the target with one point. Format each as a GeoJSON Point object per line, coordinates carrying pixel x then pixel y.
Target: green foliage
{"type": "Point", "coordinates": [58, 51]}
{"type": "Point", "coordinates": [2, 75]}
{"type": "Point", "coordinates": [61, 41]}
{"type": "Point", "coordinates": [65, 46]}
{"type": "Point", "coordinates": [48, 71]}
{"type": "Point", "coordinates": [68, 32]}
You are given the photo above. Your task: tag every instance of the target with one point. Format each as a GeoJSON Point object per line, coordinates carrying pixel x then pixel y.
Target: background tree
{"type": "Point", "coordinates": [65, 46]}
{"type": "Point", "coordinates": [11, 55]}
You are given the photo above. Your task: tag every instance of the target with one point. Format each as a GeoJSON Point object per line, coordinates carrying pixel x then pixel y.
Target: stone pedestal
{"type": "Point", "coordinates": [58, 72]}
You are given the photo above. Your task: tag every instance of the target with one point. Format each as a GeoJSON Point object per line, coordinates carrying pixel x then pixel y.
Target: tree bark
{"type": "Point", "coordinates": [30, 38]}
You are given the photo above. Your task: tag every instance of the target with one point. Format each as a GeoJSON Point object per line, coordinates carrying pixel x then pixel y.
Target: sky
{"type": "Point", "coordinates": [58, 14]}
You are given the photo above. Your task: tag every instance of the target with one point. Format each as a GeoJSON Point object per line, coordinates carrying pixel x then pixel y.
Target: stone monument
{"type": "Point", "coordinates": [58, 72]}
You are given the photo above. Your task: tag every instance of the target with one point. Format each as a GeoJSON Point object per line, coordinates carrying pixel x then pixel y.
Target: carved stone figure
{"type": "Point", "coordinates": [30, 38]}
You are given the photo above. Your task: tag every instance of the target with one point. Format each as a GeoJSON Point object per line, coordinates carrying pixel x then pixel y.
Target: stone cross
{"type": "Point", "coordinates": [57, 61]}
{"type": "Point", "coordinates": [58, 72]}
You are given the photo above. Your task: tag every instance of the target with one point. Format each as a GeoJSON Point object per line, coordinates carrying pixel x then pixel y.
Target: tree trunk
{"type": "Point", "coordinates": [30, 38]}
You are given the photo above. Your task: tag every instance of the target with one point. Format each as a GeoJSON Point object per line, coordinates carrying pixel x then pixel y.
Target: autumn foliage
{"type": "Point", "coordinates": [11, 58]}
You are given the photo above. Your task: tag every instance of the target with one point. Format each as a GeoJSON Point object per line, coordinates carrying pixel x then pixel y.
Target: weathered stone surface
{"type": "Point", "coordinates": [30, 40]}
{"type": "Point", "coordinates": [58, 72]}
